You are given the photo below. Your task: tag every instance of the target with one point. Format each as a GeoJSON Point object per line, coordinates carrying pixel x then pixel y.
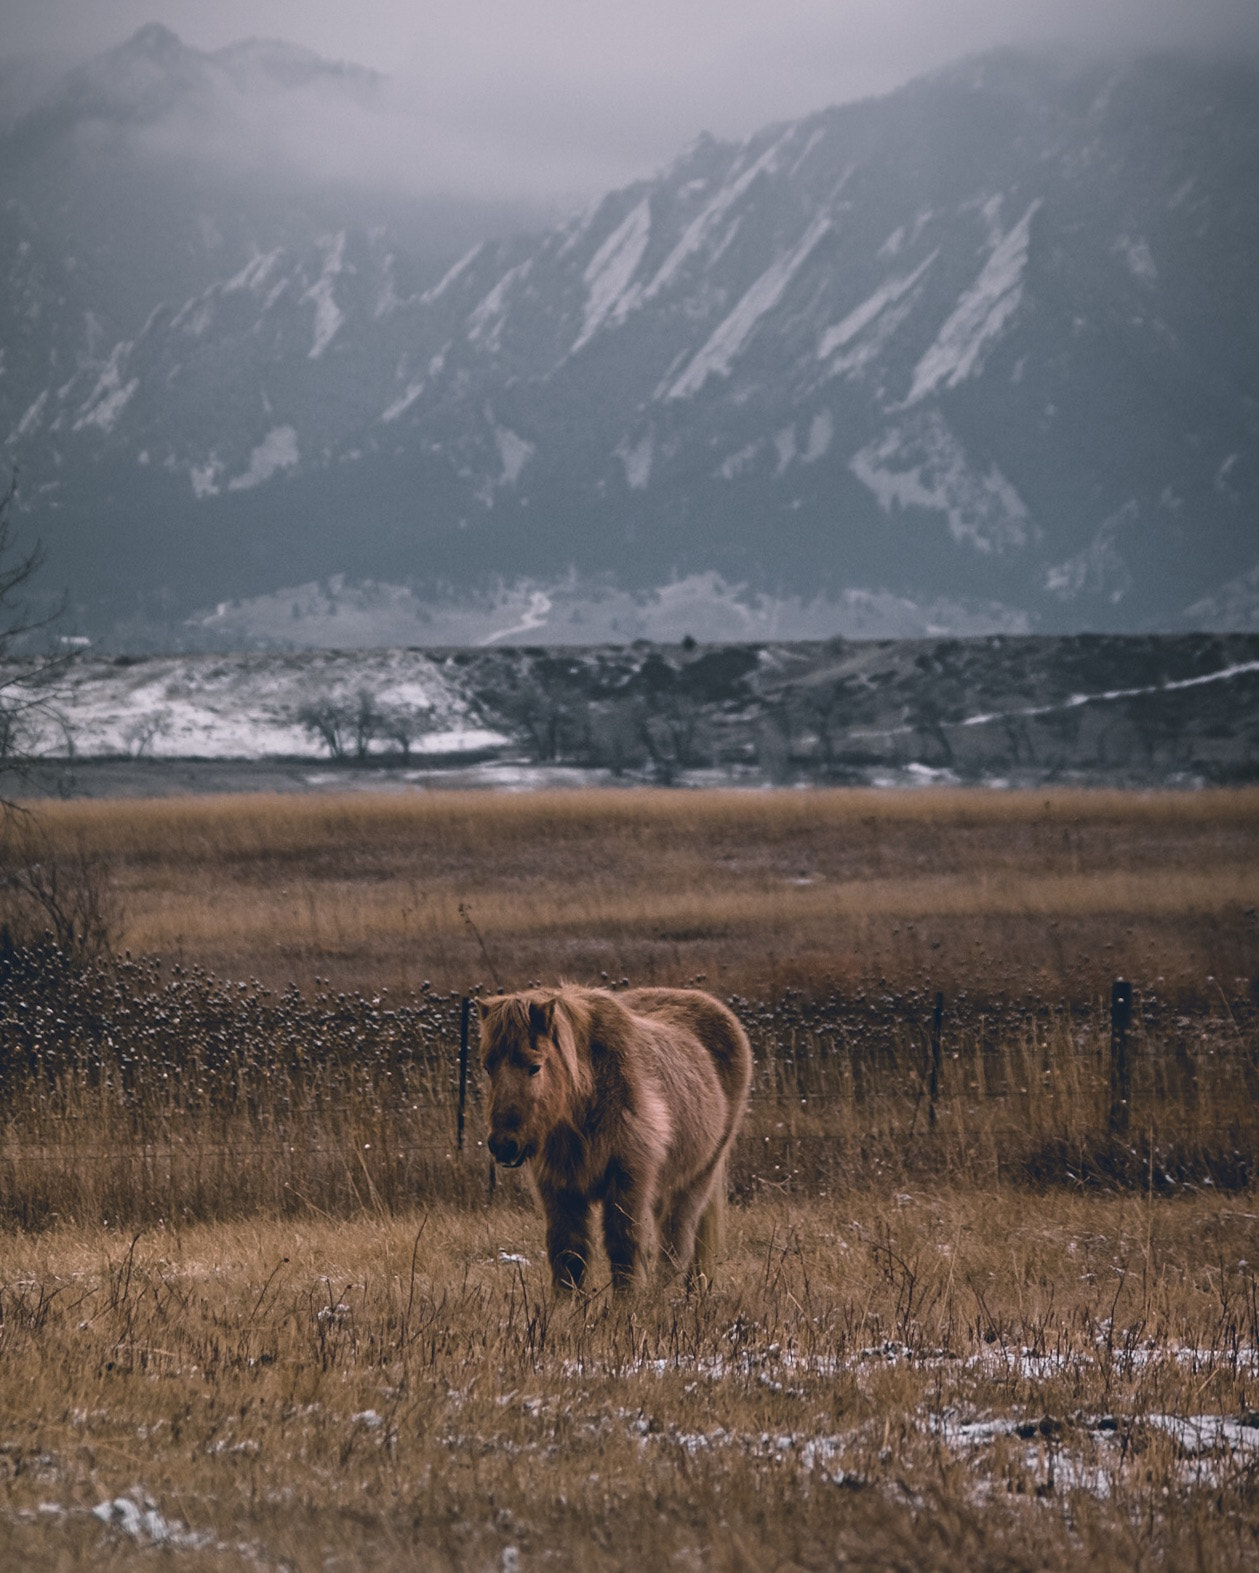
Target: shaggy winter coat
{"type": "Point", "coordinates": [631, 1101]}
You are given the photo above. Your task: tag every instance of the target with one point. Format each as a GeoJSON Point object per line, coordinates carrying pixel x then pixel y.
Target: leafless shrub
{"type": "Point", "coordinates": [400, 725]}
{"type": "Point", "coordinates": [346, 728]}
{"type": "Point", "coordinates": [328, 722]}
{"type": "Point", "coordinates": [54, 893]}
{"type": "Point", "coordinates": [144, 732]}
{"type": "Point", "coordinates": [366, 722]}
{"type": "Point", "coordinates": [29, 677]}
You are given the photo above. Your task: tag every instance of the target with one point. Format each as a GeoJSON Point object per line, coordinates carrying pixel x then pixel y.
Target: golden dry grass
{"type": "Point", "coordinates": [253, 1297]}
{"type": "Point", "coordinates": [405, 1392]}
{"type": "Point", "coordinates": [755, 890]}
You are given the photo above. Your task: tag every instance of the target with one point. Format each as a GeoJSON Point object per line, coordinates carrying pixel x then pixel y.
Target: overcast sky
{"type": "Point", "coordinates": [560, 99]}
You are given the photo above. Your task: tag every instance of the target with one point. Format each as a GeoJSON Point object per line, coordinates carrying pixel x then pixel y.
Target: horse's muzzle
{"type": "Point", "coordinates": [508, 1151]}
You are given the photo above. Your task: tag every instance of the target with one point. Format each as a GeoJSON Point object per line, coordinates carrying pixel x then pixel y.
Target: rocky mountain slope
{"type": "Point", "coordinates": [986, 349]}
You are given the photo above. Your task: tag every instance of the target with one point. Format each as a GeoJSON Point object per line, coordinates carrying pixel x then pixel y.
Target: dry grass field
{"type": "Point", "coordinates": [258, 1309]}
{"type": "Point", "coordinates": [757, 890]}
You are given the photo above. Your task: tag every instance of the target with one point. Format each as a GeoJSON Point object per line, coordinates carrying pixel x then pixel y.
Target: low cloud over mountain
{"type": "Point", "coordinates": [986, 349]}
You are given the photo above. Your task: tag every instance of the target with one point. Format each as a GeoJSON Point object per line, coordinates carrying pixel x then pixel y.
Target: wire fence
{"type": "Point", "coordinates": [132, 1086]}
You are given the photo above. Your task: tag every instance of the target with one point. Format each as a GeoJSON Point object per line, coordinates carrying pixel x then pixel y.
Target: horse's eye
{"type": "Point", "coordinates": [534, 1069]}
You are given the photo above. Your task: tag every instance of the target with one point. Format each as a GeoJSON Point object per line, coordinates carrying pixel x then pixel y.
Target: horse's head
{"type": "Point", "coordinates": [530, 1078]}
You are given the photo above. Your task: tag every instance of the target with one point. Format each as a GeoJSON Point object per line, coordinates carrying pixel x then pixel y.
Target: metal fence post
{"type": "Point", "coordinates": [1120, 1068]}
{"type": "Point", "coordinates": [464, 1014]}
{"type": "Point", "coordinates": [937, 1021]}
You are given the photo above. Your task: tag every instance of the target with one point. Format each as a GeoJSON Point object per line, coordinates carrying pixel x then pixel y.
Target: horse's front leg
{"type": "Point", "coordinates": [628, 1227]}
{"type": "Point", "coordinates": [567, 1236]}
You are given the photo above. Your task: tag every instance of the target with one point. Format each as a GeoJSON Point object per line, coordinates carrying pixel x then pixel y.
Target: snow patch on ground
{"type": "Point", "coordinates": [815, 137]}
{"type": "Point", "coordinates": [514, 453]}
{"type": "Point", "coordinates": [247, 706]}
{"type": "Point", "coordinates": [486, 319]}
{"type": "Point", "coordinates": [32, 418]}
{"type": "Point", "coordinates": [402, 403]}
{"type": "Point", "coordinates": [370, 615]}
{"type": "Point", "coordinates": [328, 315]}
{"type": "Point", "coordinates": [1226, 674]}
{"type": "Point", "coordinates": [609, 273]}
{"type": "Point", "coordinates": [637, 460]}
{"type": "Point", "coordinates": [254, 275]}
{"type": "Point", "coordinates": [111, 395]}
{"type": "Point", "coordinates": [277, 451]}
{"type": "Point", "coordinates": [1220, 483]}
{"type": "Point", "coordinates": [979, 317]}
{"type": "Point", "coordinates": [574, 232]}
{"type": "Point", "coordinates": [205, 477]}
{"type": "Point", "coordinates": [195, 316]}
{"type": "Point", "coordinates": [387, 298]}
{"type": "Point", "coordinates": [921, 464]}
{"type": "Point", "coordinates": [137, 1518]}
{"type": "Point", "coordinates": [1099, 569]}
{"type": "Point", "coordinates": [1196, 1435]}
{"type": "Point", "coordinates": [861, 317]}
{"type": "Point", "coordinates": [698, 232]}
{"type": "Point", "coordinates": [821, 434]}
{"type": "Point", "coordinates": [731, 335]}
{"type": "Point", "coordinates": [452, 274]}
{"type": "Point", "coordinates": [1234, 606]}
{"type": "Point", "coordinates": [536, 614]}
{"type": "Point", "coordinates": [735, 463]}
{"type": "Point", "coordinates": [785, 444]}
{"type": "Point", "coordinates": [1135, 251]}
{"type": "Point", "coordinates": [891, 247]}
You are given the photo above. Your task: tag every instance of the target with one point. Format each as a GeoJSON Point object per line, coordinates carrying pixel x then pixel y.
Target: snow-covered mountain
{"type": "Point", "coordinates": [986, 348]}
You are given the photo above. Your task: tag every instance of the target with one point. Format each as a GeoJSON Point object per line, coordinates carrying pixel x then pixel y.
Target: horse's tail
{"type": "Point", "coordinates": [710, 1232]}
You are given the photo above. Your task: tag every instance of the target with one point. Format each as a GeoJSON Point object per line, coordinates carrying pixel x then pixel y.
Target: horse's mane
{"type": "Point", "coordinates": [570, 1029]}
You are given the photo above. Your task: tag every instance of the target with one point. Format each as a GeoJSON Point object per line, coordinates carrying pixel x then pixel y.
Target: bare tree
{"type": "Point", "coordinates": [541, 715]}
{"type": "Point", "coordinates": [346, 728]}
{"type": "Point", "coordinates": [673, 733]}
{"type": "Point", "coordinates": [46, 894]}
{"type": "Point", "coordinates": [28, 675]}
{"type": "Point", "coordinates": [327, 722]}
{"type": "Point", "coordinates": [614, 736]}
{"type": "Point", "coordinates": [366, 723]}
{"type": "Point", "coordinates": [144, 732]}
{"type": "Point", "coordinates": [402, 726]}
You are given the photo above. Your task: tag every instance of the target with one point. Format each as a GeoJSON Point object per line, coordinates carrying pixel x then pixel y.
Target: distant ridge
{"type": "Point", "coordinates": [1152, 711]}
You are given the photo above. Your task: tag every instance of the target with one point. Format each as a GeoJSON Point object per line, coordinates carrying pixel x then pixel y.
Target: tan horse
{"type": "Point", "coordinates": [631, 1100]}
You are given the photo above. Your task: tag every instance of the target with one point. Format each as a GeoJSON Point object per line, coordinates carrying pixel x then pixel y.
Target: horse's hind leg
{"type": "Point", "coordinates": [678, 1234]}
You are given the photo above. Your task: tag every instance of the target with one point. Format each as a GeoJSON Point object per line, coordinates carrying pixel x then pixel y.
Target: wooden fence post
{"type": "Point", "coordinates": [464, 1014]}
{"type": "Point", "coordinates": [1120, 1068]}
{"type": "Point", "coordinates": [937, 1021]}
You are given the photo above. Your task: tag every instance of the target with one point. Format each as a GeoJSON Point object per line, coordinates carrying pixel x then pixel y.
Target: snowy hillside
{"type": "Point", "coordinates": [254, 707]}
{"type": "Point", "coordinates": [984, 352]}
{"type": "Point", "coordinates": [1146, 711]}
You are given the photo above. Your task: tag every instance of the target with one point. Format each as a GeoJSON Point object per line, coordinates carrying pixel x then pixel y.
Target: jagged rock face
{"type": "Point", "coordinates": [991, 342]}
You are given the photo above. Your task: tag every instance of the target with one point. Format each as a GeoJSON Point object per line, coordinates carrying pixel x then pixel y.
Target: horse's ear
{"type": "Point", "coordinates": [541, 1018]}
{"type": "Point", "coordinates": [483, 1008]}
